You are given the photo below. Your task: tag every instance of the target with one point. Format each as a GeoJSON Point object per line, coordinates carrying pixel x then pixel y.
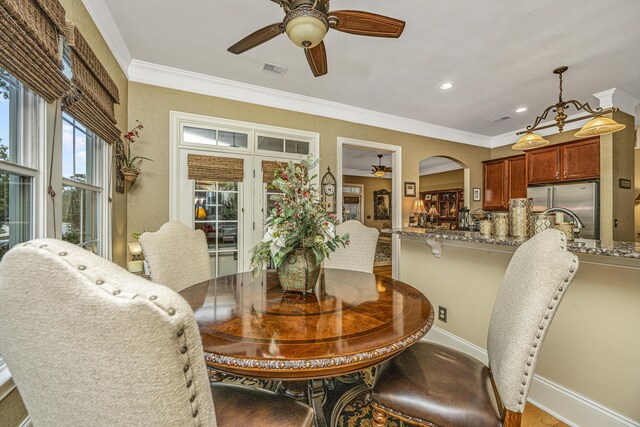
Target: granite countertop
{"type": "Point", "coordinates": [580, 246]}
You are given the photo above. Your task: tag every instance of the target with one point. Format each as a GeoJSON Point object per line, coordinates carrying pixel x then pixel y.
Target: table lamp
{"type": "Point", "coordinates": [136, 265]}
{"type": "Point", "coordinates": [418, 208]}
{"type": "Point", "coordinates": [432, 212]}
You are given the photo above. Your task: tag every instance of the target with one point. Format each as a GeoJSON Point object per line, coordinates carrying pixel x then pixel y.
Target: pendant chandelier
{"type": "Point", "coordinates": [598, 125]}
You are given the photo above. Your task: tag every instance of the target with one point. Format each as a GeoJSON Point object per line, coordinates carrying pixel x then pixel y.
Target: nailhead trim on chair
{"type": "Point", "coordinates": [152, 298]}
{"type": "Point", "coordinates": [551, 307]}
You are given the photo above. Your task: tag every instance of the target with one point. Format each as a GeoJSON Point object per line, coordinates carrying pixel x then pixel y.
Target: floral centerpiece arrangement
{"type": "Point", "coordinates": [299, 231]}
{"type": "Point", "coordinates": [130, 169]}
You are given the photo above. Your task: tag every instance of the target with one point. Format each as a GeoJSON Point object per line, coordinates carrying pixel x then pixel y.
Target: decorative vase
{"type": "Point", "coordinates": [129, 175]}
{"type": "Point", "coordinates": [542, 221]}
{"type": "Point", "coordinates": [299, 271]}
{"type": "Point", "coordinates": [520, 217]}
{"type": "Point", "coordinates": [500, 223]}
{"type": "Point", "coordinates": [486, 227]}
{"type": "Point", "coordinates": [566, 228]}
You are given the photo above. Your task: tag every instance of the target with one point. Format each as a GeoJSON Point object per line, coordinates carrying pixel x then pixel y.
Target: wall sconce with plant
{"type": "Point", "coordinates": [129, 163]}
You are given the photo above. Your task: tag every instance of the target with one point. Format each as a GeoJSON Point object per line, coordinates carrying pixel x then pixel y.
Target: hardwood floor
{"type": "Point", "coordinates": [532, 416]}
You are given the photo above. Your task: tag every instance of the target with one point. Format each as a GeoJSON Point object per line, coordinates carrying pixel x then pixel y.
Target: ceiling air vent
{"type": "Point", "coordinates": [275, 69]}
{"type": "Point", "coordinates": [501, 119]}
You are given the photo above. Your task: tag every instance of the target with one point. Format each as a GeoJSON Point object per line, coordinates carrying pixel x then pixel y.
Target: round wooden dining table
{"type": "Point", "coordinates": [352, 321]}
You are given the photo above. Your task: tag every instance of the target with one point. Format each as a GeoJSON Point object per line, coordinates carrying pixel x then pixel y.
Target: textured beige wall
{"type": "Point", "coordinates": [77, 13]}
{"type": "Point", "coordinates": [623, 168]}
{"type": "Point", "coordinates": [149, 200]}
{"type": "Point", "coordinates": [637, 192]}
{"type": "Point", "coordinates": [593, 344]}
{"type": "Point", "coordinates": [370, 185]}
{"type": "Point", "coordinates": [442, 181]}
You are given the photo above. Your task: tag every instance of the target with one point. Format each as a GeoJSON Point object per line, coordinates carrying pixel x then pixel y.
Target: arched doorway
{"type": "Point", "coordinates": [444, 188]}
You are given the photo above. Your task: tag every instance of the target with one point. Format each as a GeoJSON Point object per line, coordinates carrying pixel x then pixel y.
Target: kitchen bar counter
{"type": "Point", "coordinates": [624, 250]}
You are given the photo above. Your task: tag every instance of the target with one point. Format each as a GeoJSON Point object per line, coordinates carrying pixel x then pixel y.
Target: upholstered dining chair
{"type": "Point", "coordinates": [90, 344]}
{"type": "Point", "coordinates": [433, 385]}
{"type": "Point", "coordinates": [360, 254]}
{"type": "Point", "coordinates": [177, 256]}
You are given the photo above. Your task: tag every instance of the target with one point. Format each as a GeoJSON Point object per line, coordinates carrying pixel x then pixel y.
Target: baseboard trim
{"type": "Point", "coordinates": [26, 422]}
{"type": "Point", "coordinates": [564, 404]}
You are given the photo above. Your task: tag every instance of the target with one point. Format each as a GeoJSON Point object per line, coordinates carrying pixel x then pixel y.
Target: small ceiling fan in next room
{"type": "Point", "coordinates": [306, 22]}
{"type": "Point", "coordinates": [379, 170]}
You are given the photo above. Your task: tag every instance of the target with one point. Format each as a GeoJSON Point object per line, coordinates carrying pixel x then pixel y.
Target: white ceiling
{"type": "Point", "coordinates": [499, 53]}
{"type": "Point", "coordinates": [359, 161]}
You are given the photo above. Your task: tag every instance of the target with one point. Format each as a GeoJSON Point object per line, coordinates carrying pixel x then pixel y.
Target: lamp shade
{"type": "Point", "coordinates": [135, 248]}
{"type": "Point", "coordinates": [379, 173]}
{"type": "Point", "coordinates": [599, 126]}
{"type": "Point", "coordinates": [306, 31]}
{"type": "Point", "coordinates": [529, 141]}
{"type": "Point", "coordinates": [418, 207]}
{"type": "Point", "coordinates": [433, 211]}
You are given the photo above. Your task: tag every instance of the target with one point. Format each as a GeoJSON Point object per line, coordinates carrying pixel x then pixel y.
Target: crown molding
{"type": "Point", "coordinates": [107, 26]}
{"type": "Point", "coordinates": [174, 78]}
{"type": "Point", "coordinates": [618, 98]}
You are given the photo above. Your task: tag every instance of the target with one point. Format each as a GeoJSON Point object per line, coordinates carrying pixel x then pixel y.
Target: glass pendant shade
{"type": "Point", "coordinates": [306, 31]}
{"type": "Point", "coordinates": [529, 141]}
{"type": "Point", "coordinates": [379, 173]}
{"type": "Point", "coordinates": [599, 126]}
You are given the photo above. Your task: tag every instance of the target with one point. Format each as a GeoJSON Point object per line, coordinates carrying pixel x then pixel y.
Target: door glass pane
{"type": "Point", "coordinates": [15, 210]}
{"type": "Point", "coordinates": [233, 139]}
{"type": "Point", "coordinates": [216, 214]}
{"type": "Point", "coordinates": [270, 144]}
{"type": "Point", "coordinates": [199, 136]}
{"type": "Point", "coordinates": [80, 217]}
{"type": "Point", "coordinates": [297, 147]}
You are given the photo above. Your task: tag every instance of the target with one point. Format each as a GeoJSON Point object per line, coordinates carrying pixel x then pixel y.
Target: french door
{"type": "Point", "coordinates": [222, 209]}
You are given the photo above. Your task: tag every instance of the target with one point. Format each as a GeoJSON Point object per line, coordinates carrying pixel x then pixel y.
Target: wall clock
{"type": "Point", "coordinates": [329, 191]}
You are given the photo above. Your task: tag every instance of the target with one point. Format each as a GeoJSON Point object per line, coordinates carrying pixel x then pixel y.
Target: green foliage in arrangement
{"type": "Point", "coordinates": [299, 219]}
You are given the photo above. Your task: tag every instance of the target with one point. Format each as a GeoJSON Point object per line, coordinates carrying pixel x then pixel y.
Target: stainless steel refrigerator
{"type": "Point", "coordinates": [582, 198]}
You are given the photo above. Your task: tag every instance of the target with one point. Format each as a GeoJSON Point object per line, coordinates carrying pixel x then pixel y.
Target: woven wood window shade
{"type": "Point", "coordinates": [269, 168]}
{"type": "Point", "coordinates": [30, 50]}
{"type": "Point", "coordinates": [351, 200]}
{"type": "Point", "coordinates": [210, 168]}
{"type": "Point", "coordinates": [94, 93]}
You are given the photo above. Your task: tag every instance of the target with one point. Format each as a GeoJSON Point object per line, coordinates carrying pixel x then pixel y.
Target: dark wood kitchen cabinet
{"type": "Point", "coordinates": [503, 180]}
{"type": "Point", "coordinates": [571, 161]}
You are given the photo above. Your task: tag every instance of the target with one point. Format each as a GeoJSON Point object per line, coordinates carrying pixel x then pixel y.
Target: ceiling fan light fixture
{"type": "Point", "coordinates": [599, 126]}
{"type": "Point", "coordinates": [306, 27]}
{"type": "Point", "coordinates": [380, 173]}
{"type": "Point", "coordinates": [529, 141]}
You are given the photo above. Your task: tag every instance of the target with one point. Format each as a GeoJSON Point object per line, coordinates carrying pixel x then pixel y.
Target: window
{"type": "Point", "coordinates": [282, 145]}
{"type": "Point", "coordinates": [220, 138]}
{"type": "Point", "coordinates": [18, 137]}
{"type": "Point", "coordinates": [82, 183]}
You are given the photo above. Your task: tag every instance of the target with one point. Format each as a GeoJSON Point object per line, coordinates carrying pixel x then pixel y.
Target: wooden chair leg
{"type": "Point", "coordinates": [379, 418]}
{"type": "Point", "coordinates": [215, 376]}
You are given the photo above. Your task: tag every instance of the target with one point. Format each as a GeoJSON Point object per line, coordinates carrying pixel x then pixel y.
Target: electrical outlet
{"type": "Point", "coordinates": [442, 313]}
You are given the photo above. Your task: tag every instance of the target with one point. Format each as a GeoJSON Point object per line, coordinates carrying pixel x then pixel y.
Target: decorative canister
{"type": "Point", "coordinates": [486, 227]}
{"type": "Point", "coordinates": [566, 228]}
{"type": "Point", "coordinates": [500, 223]}
{"type": "Point", "coordinates": [520, 215]}
{"type": "Point", "coordinates": [299, 271]}
{"type": "Point", "coordinates": [542, 221]}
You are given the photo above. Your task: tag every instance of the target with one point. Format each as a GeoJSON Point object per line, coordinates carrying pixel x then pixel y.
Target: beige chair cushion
{"type": "Point", "coordinates": [177, 256]}
{"type": "Point", "coordinates": [360, 254]}
{"type": "Point", "coordinates": [90, 344]}
{"type": "Point", "coordinates": [534, 284]}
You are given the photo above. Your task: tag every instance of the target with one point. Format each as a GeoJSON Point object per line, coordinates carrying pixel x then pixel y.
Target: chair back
{"type": "Point", "coordinates": [360, 254]}
{"type": "Point", "coordinates": [89, 343]}
{"type": "Point", "coordinates": [176, 255]}
{"type": "Point", "coordinates": [534, 284]}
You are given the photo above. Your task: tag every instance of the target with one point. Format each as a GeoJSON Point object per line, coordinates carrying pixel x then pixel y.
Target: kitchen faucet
{"type": "Point", "coordinates": [576, 221]}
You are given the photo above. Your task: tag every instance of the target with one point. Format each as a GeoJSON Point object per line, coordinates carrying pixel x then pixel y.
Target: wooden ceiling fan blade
{"type": "Point", "coordinates": [257, 38]}
{"type": "Point", "coordinates": [317, 58]}
{"type": "Point", "coordinates": [366, 23]}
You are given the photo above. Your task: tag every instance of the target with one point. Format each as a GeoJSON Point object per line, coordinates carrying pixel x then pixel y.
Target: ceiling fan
{"type": "Point", "coordinates": [379, 170]}
{"type": "Point", "coordinates": [306, 22]}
